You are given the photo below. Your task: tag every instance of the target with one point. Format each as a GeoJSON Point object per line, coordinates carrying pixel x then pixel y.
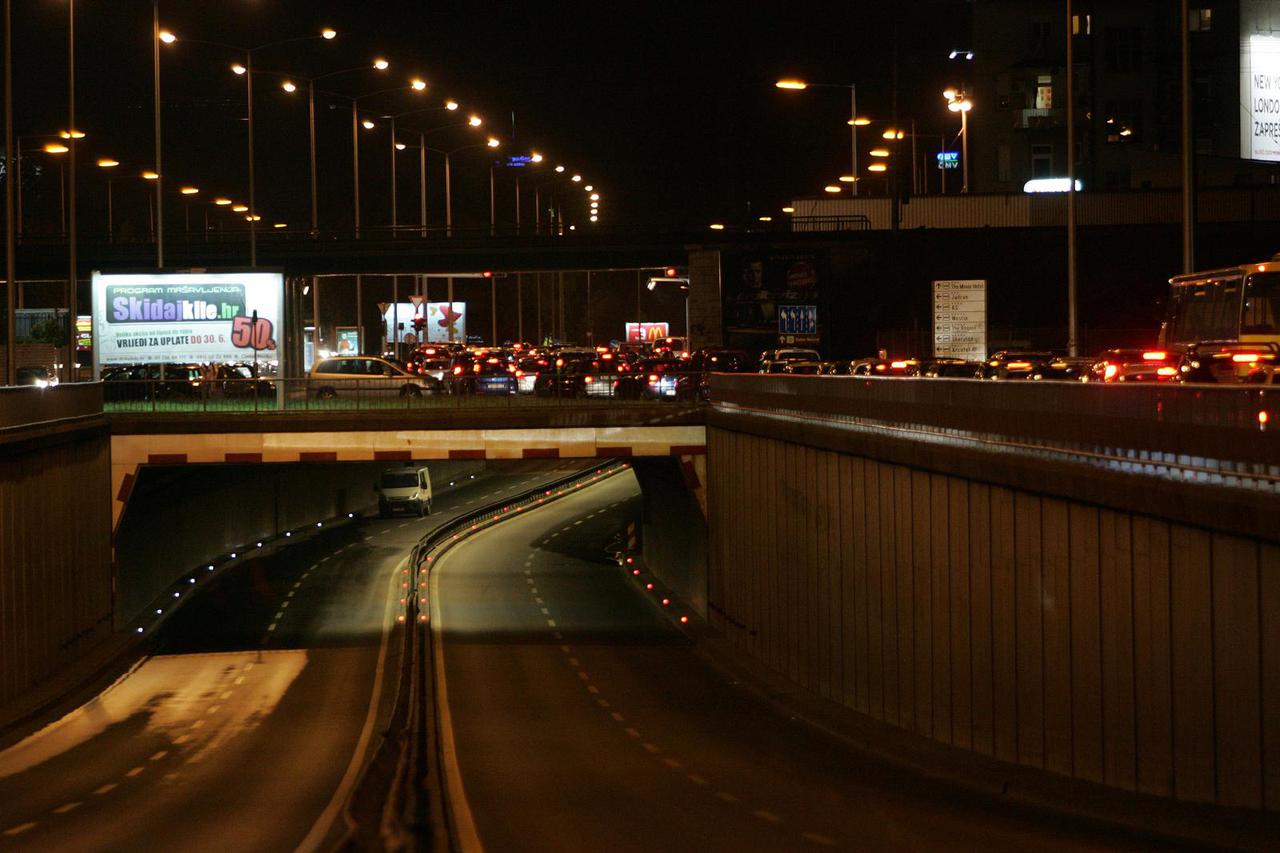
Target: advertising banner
{"type": "Point", "coordinates": [446, 321]}
{"type": "Point", "coordinates": [348, 340]}
{"type": "Point", "coordinates": [185, 318]}
{"type": "Point", "coordinates": [638, 333]}
{"type": "Point", "coordinates": [401, 313]}
{"type": "Point", "coordinates": [1260, 127]}
{"type": "Point", "coordinates": [960, 319]}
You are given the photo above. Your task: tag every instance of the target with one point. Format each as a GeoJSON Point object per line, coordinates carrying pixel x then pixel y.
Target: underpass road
{"type": "Point", "coordinates": [580, 719]}
{"type": "Point", "coordinates": [254, 715]}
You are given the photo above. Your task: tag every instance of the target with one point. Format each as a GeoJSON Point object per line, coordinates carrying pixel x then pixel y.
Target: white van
{"type": "Point", "coordinates": [406, 488]}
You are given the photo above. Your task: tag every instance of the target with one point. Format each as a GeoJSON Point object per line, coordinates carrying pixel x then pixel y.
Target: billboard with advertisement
{"type": "Point", "coordinates": [442, 322]}
{"type": "Point", "coordinates": [214, 317]}
{"type": "Point", "coordinates": [348, 340]}
{"type": "Point", "coordinates": [638, 333]}
{"type": "Point", "coordinates": [1260, 80]}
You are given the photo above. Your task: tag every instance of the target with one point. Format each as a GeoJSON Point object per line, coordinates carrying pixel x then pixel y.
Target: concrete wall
{"type": "Point", "coordinates": [179, 517]}
{"type": "Point", "coordinates": [673, 529]}
{"type": "Point", "coordinates": [55, 536]}
{"type": "Point", "coordinates": [1094, 643]}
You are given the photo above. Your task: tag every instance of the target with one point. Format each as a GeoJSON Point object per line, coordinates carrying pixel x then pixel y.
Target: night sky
{"type": "Point", "coordinates": [667, 107]}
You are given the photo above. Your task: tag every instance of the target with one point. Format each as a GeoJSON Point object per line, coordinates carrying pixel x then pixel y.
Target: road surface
{"type": "Point", "coordinates": [250, 725]}
{"type": "Point", "coordinates": [579, 719]}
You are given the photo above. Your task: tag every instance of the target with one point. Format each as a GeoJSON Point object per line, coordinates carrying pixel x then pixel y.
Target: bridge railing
{"type": "Point", "coordinates": [264, 396]}
{"type": "Point", "coordinates": [1191, 426]}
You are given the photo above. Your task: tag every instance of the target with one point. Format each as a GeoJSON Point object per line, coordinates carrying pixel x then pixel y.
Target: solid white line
{"type": "Point", "coordinates": [464, 823]}
{"type": "Point", "coordinates": [338, 802]}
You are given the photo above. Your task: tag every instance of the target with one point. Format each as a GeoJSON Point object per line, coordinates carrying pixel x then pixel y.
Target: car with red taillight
{"type": "Point", "coordinates": [1218, 362]}
{"type": "Point", "coordinates": [1134, 365]}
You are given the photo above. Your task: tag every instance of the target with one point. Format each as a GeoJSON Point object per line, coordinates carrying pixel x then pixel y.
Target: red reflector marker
{"type": "Point", "coordinates": [666, 602]}
{"type": "Point", "coordinates": [648, 586]}
{"type": "Point", "coordinates": [684, 620]}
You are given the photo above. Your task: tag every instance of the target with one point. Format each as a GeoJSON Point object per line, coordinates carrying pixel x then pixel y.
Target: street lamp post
{"type": "Point", "coordinates": [107, 164]}
{"type": "Point", "coordinates": [72, 134]}
{"type": "Point", "coordinates": [10, 234]}
{"type": "Point", "coordinates": [959, 102]}
{"type": "Point", "coordinates": [800, 85]}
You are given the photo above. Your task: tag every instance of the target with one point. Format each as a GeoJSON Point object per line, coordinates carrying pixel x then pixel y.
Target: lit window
{"type": "Point", "coordinates": [1200, 20]}
{"type": "Point", "coordinates": [1044, 92]}
{"type": "Point", "coordinates": [1082, 25]}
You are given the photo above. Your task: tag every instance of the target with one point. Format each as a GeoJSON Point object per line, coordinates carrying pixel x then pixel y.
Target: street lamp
{"type": "Point", "coordinates": [491, 142]}
{"type": "Point", "coordinates": [244, 70]}
{"type": "Point", "coordinates": [959, 102]}
{"type": "Point", "coordinates": [107, 164]}
{"type": "Point", "coordinates": [854, 124]}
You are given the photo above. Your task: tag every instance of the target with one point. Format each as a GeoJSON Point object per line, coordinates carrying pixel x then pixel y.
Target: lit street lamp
{"type": "Point", "coordinates": [958, 102]}
{"type": "Point", "coordinates": [107, 164]}
{"type": "Point", "coordinates": [854, 123]}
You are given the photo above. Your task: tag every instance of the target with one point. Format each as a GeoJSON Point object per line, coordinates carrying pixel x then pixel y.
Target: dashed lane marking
{"type": "Point", "coordinates": [104, 789]}
{"type": "Point", "coordinates": [279, 614]}
{"type": "Point", "coordinates": [213, 709]}
{"type": "Point", "coordinates": [159, 755]}
{"type": "Point", "coordinates": [240, 681]}
{"type": "Point", "coordinates": [564, 649]}
{"type": "Point", "coordinates": [225, 696]}
{"type": "Point", "coordinates": [528, 580]}
{"type": "Point", "coordinates": [538, 600]}
{"type": "Point", "coordinates": [545, 611]}
{"type": "Point", "coordinates": [271, 627]}
{"type": "Point", "coordinates": [818, 839]}
{"type": "Point", "coordinates": [20, 828]}
{"type": "Point", "coordinates": [767, 816]}
{"type": "Point", "coordinates": [650, 748]}
{"type": "Point", "coordinates": [633, 733]}
{"type": "Point", "coordinates": [181, 739]}
{"type": "Point", "coordinates": [574, 662]}
{"type": "Point", "coordinates": [583, 676]}
{"type": "Point", "coordinates": [603, 703]}
{"type": "Point", "coordinates": [672, 763]}
{"type": "Point", "coordinates": [617, 718]}
{"type": "Point", "coordinates": [697, 780]}
{"type": "Point", "coordinates": [137, 771]}
{"type": "Point", "coordinates": [293, 591]}
{"type": "Point", "coordinates": [726, 796]}
{"type": "Point", "coordinates": [283, 606]}
{"type": "Point", "coordinates": [66, 807]}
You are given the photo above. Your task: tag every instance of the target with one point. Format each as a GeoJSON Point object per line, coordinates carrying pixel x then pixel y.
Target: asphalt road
{"type": "Point", "coordinates": [248, 727]}
{"type": "Point", "coordinates": [577, 718]}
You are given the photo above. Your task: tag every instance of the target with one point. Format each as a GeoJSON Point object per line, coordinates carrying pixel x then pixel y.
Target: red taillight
{"type": "Point", "coordinates": [519, 374]}
{"type": "Point", "coordinates": [476, 368]}
{"type": "Point", "coordinates": [1167, 371]}
{"type": "Point", "coordinates": [493, 361]}
{"type": "Point", "coordinates": [588, 379]}
{"type": "Point", "coordinates": [1155, 355]}
{"type": "Point", "coordinates": [1245, 357]}
{"type": "Point", "coordinates": [882, 367]}
{"type": "Point", "coordinates": [653, 378]}
{"type": "Point", "coordinates": [457, 371]}
{"type": "Point", "coordinates": [559, 362]}
{"type": "Point", "coordinates": [898, 365]}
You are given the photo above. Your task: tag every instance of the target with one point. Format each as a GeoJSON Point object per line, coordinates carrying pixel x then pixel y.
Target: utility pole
{"type": "Point", "coordinates": [1073, 344]}
{"type": "Point", "coordinates": [1188, 154]}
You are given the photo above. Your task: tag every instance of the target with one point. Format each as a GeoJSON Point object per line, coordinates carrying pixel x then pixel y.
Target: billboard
{"type": "Point", "coordinates": [443, 322]}
{"type": "Point", "coordinates": [183, 318]}
{"type": "Point", "coordinates": [641, 332]}
{"type": "Point", "coordinates": [1259, 81]}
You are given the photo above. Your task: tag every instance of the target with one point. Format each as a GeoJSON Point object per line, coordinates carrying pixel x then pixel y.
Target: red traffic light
{"type": "Point", "coordinates": [671, 272]}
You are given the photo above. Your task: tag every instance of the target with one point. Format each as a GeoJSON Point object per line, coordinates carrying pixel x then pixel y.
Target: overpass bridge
{"type": "Point", "coordinates": [1077, 582]}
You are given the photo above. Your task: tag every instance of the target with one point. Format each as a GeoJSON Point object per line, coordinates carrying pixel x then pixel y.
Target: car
{"type": "Point", "coordinates": [238, 381]}
{"type": "Point", "coordinates": [658, 379]}
{"type": "Point", "coordinates": [1134, 365]}
{"type": "Point", "coordinates": [1015, 364]}
{"type": "Point", "coordinates": [1269, 375]}
{"type": "Point", "coordinates": [802, 368]}
{"type": "Point", "coordinates": [407, 488]}
{"type": "Point", "coordinates": [886, 366]}
{"type": "Point", "coordinates": [487, 374]}
{"type": "Point", "coordinates": [367, 376]}
{"type": "Point", "coordinates": [837, 368]}
{"type": "Point", "coordinates": [152, 382]}
{"type": "Point", "coordinates": [1064, 369]}
{"type": "Point", "coordinates": [41, 377]}
{"type": "Point", "coordinates": [774, 360]}
{"type": "Point", "coordinates": [1225, 362]}
{"type": "Point", "coordinates": [950, 368]}
{"type": "Point", "coordinates": [527, 370]}
{"type": "Point", "coordinates": [567, 380]}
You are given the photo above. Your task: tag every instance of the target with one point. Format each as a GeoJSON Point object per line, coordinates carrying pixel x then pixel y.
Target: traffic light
{"type": "Point", "coordinates": [671, 272]}
{"type": "Point", "coordinates": [419, 323]}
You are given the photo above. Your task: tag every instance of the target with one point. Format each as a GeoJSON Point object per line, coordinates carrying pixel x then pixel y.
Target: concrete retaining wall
{"type": "Point", "coordinates": [673, 532]}
{"type": "Point", "coordinates": [180, 516]}
{"type": "Point", "coordinates": [1095, 643]}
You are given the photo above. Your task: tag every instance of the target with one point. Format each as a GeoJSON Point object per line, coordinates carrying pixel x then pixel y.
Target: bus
{"type": "Point", "coordinates": [1234, 305]}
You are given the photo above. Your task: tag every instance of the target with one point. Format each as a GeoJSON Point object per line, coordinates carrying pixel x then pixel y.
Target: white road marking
{"type": "Point", "coordinates": [279, 614]}
{"type": "Point", "coordinates": [293, 591]}
{"type": "Point", "coordinates": [296, 585]}
{"type": "Point", "coordinates": [271, 627]}
{"type": "Point", "coordinates": [341, 794]}
{"type": "Point", "coordinates": [226, 696]}
{"type": "Point", "coordinates": [767, 816]}
{"type": "Point", "coordinates": [213, 709]}
{"type": "Point", "coordinates": [198, 724]}
{"type": "Point", "coordinates": [283, 606]}
{"type": "Point", "coordinates": [240, 681]}
{"type": "Point", "coordinates": [107, 788]}
{"type": "Point", "coordinates": [538, 600]}
{"type": "Point", "coordinates": [650, 748]}
{"type": "Point", "coordinates": [528, 580]}
{"type": "Point", "coordinates": [181, 739]}
{"type": "Point", "coordinates": [20, 828]}
{"type": "Point", "coordinates": [672, 763]}
{"type": "Point", "coordinates": [159, 755]}
{"type": "Point", "coordinates": [545, 611]}
{"type": "Point", "coordinates": [574, 662]}
{"type": "Point", "coordinates": [564, 649]}
{"type": "Point", "coordinates": [697, 780]}
{"type": "Point", "coordinates": [576, 523]}
{"type": "Point", "coordinates": [633, 733]}
{"type": "Point", "coordinates": [818, 839]}
{"type": "Point", "coordinates": [726, 796]}
{"type": "Point", "coordinates": [137, 771]}
{"type": "Point", "coordinates": [66, 807]}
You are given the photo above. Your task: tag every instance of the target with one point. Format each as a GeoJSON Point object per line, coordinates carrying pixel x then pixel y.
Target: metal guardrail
{"type": "Point", "coordinates": [416, 807]}
{"type": "Point", "coordinates": [1214, 431]}
{"type": "Point", "coordinates": [311, 395]}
